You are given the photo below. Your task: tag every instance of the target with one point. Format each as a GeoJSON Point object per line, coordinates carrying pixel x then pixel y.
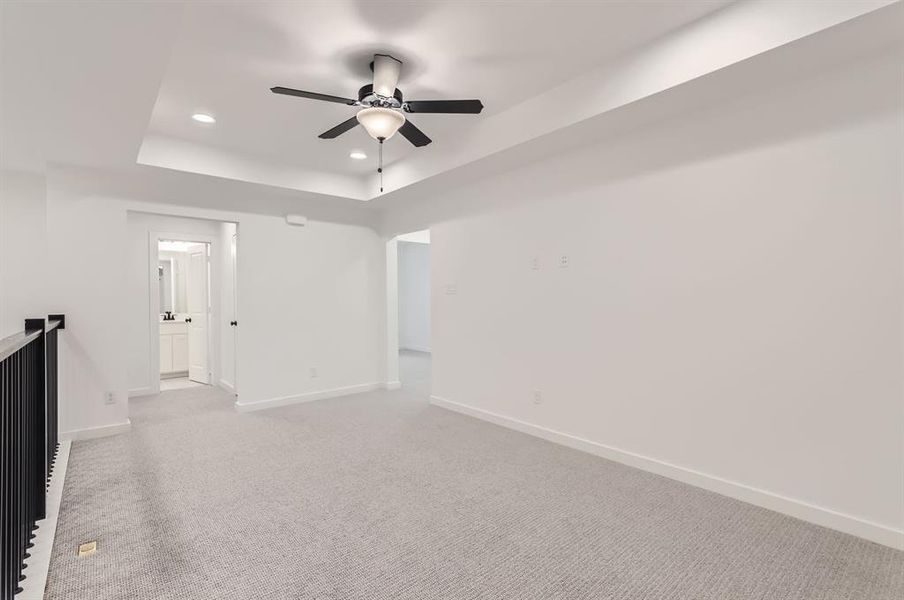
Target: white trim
{"type": "Point", "coordinates": [142, 391]}
{"type": "Point", "coordinates": [392, 385]}
{"type": "Point", "coordinates": [173, 375]}
{"type": "Point", "coordinates": [423, 349]}
{"type": "Point", "coordinates": [307, 397]}
{"type": "Point", "coordinates": [392, 310]}
{"type": "Point", "coordinates": [227, 386]}
{"type": "Point", "coordinates": [825, 517]}
{"type": "Point", "coordinates": [96, 432]}
{"type": "Point", "coordinates": [39, 562]}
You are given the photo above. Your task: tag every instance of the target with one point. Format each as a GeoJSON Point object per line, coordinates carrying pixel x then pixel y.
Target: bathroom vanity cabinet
{"type": "Point", "coordinates": [173, 348]}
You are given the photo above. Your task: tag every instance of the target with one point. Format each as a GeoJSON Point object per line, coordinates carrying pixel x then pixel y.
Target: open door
{"type": "Point", "coordinates": [198, 315]}
{"type": "Point", "coordinates": [235, 312]}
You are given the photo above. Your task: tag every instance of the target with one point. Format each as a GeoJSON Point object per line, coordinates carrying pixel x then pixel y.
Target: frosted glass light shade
{"type": "Point", "coordinates": [381, 122]}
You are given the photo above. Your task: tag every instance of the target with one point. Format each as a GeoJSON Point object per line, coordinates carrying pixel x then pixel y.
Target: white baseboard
{"type": "Point", "coordinates": [96, 432]}
{"type": "Point", "coordinates": [227, 386]}
{"type": "Point", "coordinates": [174, 375]}
{"type": "Point", "coordinates": [142, 391]}
{"type": "Point", "coordinates": [392, 385]}
{"type": "Point", "coordinates": [307, 397]}
{"type": "Point", "coordinates": [796, 508]}
{"type": "Point", "coordinates": [39, 562]}
{"type": "Point", "coordinates": [424, 349]}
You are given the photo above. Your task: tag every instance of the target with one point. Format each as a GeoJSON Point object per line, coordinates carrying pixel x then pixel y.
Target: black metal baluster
{"type": "Point", "coordinates": [19, 449]}
{"type": "Point", "coordinates": [29, 392]}
{"type": "Point", "coordinates": [38, 459]}
{"type": "Point", "coordinates": [5, 483]}
{"type": "Point", "coordinates": [52, 391]}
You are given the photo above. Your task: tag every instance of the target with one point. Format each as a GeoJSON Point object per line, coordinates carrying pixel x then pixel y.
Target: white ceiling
{"type": "Point", "coordinates": [417, 237]}
{"type": "Point", "coordinates": [112, 85]}
{"type": "Point", "coordinates": [228, 55]}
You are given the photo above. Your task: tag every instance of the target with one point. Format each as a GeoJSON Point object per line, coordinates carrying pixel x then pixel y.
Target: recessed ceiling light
{"type": "Point", "coordinates": [202, 118]}
{"type": "Point", "coordinates": [357, 155]}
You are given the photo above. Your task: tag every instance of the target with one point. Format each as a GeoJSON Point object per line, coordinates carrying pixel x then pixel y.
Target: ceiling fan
{"type": "Point", "coordinates": [384, 107]}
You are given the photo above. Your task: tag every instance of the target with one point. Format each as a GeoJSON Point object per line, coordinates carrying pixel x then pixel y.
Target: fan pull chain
{"type": "Point", "coordinates": [380, 165]}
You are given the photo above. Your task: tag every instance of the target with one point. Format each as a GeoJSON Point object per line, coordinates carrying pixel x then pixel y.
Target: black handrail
{"type": "Point", "coordinates": [10, 345]}
{"type": "Point", "coordinates": [28, 423]}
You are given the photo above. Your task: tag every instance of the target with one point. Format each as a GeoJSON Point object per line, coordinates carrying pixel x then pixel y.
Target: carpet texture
{"type": "Point", "coordinates": [382, 496]}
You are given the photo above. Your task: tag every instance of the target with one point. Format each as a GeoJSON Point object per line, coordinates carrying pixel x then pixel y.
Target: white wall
{"type": "Point", "coordinates": [23, 251]}
{"type": "Point", "coordinates": [87, 277]}
{"type": "Point", "coordinates": [731, 309]}
{"type": "Point", "coordinates": [414, 296]}
{"type": "Point", "coordinates": [309, 297]}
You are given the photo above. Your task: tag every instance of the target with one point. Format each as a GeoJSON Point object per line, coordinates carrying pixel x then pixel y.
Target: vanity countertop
{"type": "Point", "coordinates": [180, 321]}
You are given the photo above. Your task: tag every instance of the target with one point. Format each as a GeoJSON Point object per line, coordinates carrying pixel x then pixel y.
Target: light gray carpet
{"type": "Point", "coordinates": [381, 496]}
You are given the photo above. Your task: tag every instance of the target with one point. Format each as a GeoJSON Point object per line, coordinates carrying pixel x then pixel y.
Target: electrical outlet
{"type": "Point", "coordinates": [451, 289]}
{"type": "Point", "coordinates": [108, 398]}
{"type": "Point", "coordinates": [313, 372]}
{"type": "Point", "coordinates": [563, 262]}
{"type": "Point", "coordinates": [538, 397]}
{"type": "Point", "coordinates": [535, 263]}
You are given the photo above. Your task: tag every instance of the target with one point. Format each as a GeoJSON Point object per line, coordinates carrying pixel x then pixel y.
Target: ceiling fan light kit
{"type": "Point", "coordinates": [384, 106]}
{"type": "Point", "coordinates": [380, 123]}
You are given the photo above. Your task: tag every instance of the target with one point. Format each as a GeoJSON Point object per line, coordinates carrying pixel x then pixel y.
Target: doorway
{"type": "Point", "coordinates": [415, 364]}
{"type": "Point", "coordinates": [183, 270]}
{"type": "Point", "coordinates": [191, 274]}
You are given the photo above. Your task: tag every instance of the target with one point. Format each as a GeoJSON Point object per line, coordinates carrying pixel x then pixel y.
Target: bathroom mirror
{"type": "Point", "coordinates": [165, 277]}
{"type": "Point", "coordinates": [171, 272]}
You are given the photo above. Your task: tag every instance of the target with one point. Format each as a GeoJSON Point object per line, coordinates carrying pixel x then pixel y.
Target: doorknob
{"type": "Point", "coordinates": [233, 323]}
{"type": "Point", "coordinates": [188, 319]}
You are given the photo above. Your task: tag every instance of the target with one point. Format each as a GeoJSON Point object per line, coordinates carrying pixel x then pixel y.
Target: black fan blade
{"type": "Point", "coordinates": [414, 135]}
{"type": "Point", "coordinates": [312, 95]}
{"type": "Point", "coordinates": [339, 129]}
{"type": "Point", "coordinates": [471, 107]}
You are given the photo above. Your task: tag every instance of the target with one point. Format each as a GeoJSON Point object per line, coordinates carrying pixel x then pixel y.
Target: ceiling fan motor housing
{"type": "Point", "coordinates": [367, 97]}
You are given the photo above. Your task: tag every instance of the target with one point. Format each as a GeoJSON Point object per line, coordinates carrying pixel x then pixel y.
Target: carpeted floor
{"type": "Point", "coordinates": [382, 496]}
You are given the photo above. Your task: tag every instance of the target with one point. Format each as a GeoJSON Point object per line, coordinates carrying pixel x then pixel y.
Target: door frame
{"type": "Point", "coordinates": [154, 238]}
{"type": "Point", "coordinates": [391, 364]}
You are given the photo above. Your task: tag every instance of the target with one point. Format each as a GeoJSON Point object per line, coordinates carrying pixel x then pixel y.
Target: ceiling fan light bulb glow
{"type": "Point", "coordinates": [381, 123]}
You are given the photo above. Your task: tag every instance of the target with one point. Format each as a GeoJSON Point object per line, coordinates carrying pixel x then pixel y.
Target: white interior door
{"type": "Point", "coordinates": [230, 330]}
{"type": "Point", "coordinates": [198, 315]}
{"type": "Point", "coordinates": [235, 315]}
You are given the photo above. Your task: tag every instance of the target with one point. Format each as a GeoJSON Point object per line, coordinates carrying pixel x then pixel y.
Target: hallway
{"type": "Point", "coordinates": [415, 370]}
{"type": "Point", "coordinates": [381, 495]}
